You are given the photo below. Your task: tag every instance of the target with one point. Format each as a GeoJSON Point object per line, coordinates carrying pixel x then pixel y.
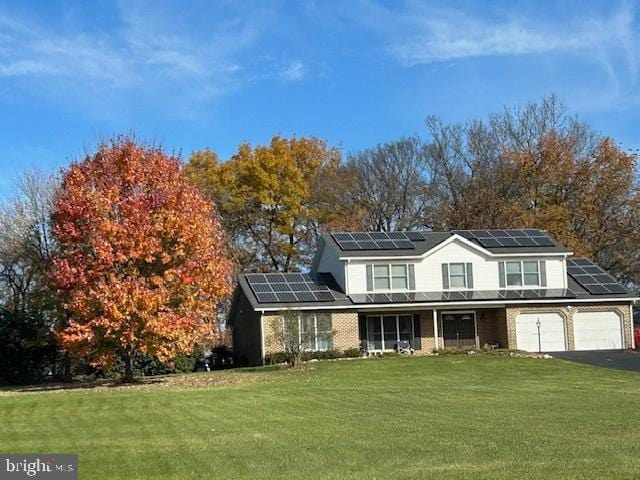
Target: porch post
{"type": "Point", "coordinates": [436, 339]}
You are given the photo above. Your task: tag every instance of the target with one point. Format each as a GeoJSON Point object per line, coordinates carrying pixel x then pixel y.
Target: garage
{"type": "Point", "coordinates": [597, 330]}
{"type": "Point", "coordinates": [541, 332]}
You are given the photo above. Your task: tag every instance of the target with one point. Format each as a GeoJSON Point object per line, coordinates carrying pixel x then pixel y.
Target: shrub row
{"type": "Point", "coordinates": [276, 358]}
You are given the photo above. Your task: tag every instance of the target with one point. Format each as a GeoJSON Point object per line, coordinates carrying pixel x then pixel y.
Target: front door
{"type": "Point", "coordinates": [459, 330]}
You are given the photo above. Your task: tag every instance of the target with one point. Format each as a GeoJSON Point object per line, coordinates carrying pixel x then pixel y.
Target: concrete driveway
{"type": "Point", "coordinates": [619, 359]}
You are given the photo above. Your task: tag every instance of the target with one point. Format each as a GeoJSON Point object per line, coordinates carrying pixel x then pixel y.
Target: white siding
{"type": "Point", "coordinates": [357, 274]}
{"type": "Point", "coordinates": [428, 271]}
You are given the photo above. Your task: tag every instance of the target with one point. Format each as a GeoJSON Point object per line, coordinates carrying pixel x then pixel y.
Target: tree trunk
{"type": "Point", "coordinates": [128, 367]}
{"type": "Point", "coordinates": [66, 369]}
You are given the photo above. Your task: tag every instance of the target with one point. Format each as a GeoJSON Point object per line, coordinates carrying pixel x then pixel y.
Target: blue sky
{"type": "Point", "coordinates": [357, 73]}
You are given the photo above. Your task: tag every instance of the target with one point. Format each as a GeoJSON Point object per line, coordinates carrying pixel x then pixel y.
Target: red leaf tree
{"type": "Point", "coordinates": [142, 264]}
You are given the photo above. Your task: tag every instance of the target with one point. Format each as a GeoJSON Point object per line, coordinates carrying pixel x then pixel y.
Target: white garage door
{"type": "Point", "coordinates": [540, 332]}
{"type": "Point", "coordinates": [597, 330]}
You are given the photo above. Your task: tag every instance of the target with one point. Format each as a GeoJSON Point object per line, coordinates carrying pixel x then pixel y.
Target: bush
{"type": "Point", "coordinates": [352, 353]}
{"type": "Point", "coordinates": [325, 355]}
{"type": "Point", "coordinates": [145, 365]}
{"type": "Point", "coordinates": [277, 358]}
{"type": "Point", "coordinates": [27, 348]}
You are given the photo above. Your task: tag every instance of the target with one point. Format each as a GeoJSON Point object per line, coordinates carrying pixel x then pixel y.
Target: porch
{"type": "Point", "coordinates": [428, 330]}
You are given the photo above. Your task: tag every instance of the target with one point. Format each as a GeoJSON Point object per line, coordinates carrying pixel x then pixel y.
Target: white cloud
{"type": "Point", "coordinates": [295, 71]}
{"type": "Point", "coordinates": [148, 52]}
{"type": "Point", "coordinates": [416, 34]}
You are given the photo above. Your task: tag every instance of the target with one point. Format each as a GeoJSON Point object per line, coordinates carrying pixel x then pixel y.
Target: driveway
{"type": "Point", "coordinates": [619, 359]}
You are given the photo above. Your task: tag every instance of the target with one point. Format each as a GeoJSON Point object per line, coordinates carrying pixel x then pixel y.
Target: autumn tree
{"type": "Point", "coordinates": [141, 263]}
{"type": "Point", "coordinates": [537, 166]}
{"type": "Point", "coordinates": [274, 200]}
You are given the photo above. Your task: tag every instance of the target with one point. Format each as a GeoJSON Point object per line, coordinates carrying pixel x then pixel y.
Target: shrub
{"type": "Point", "coordinates": [352, 353]}
{"type": "Point", "coordinates": [277, 358]}
{"type": "Point", "coordinates": [27, 348]}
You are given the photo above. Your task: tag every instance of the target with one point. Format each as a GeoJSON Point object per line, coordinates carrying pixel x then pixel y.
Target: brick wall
{"type": "Point", "coordinates": [426, 331]}
{"type": "Point", "coordinates": [567, 311]}
{"type": "Point", "coordinates": [344, 325]}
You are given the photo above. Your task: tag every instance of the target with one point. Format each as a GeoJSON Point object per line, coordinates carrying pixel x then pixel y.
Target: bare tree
{"type": "Point", "coordinates": [25, 240]}
{"type": "Point", "coordinates": [391, 184]}
{"type": "Point", "coordinates": [295, 334]}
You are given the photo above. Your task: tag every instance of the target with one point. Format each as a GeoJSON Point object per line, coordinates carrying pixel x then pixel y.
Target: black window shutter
{"type": "Point", "coordinates": [417, 335]}
{"type": "Point", "coordinates": [362, 326]}
{"type": "Point", "coordinates": [412, 277]}
{"type": "Point", "coordinates": [469, 275]}
{"type": "Point", "coordinates": [501, 273]}
{"type": "Point", "coordinates": [445, 276]}
{"type": "Point", "coordinates": [543, 273]}
{"type": "Point", "coordinates": [369, 278]}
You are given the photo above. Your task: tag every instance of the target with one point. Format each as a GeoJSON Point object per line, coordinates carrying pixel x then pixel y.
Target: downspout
{"type": "Point", "coordinates": [436, 336]}
{"type": "Point", "coordinates": [633, 333]}
{"type": "Point", "coordinates": [346, 277]}
{"type": "Point", "coordinates": [262, 352]}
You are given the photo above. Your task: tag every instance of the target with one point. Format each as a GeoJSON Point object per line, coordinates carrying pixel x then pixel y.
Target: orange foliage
{"type": "Point", "coordinates": [142, 264]}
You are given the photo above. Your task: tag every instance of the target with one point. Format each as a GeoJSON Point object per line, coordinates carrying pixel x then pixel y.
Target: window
{"type": "Point", "coordinates": [391, 277]}
{"type": "Point", "coordinates": [399, 280]}
{"type": "Point", "coordinates": [531, 273]}
{"type": "Point", "coordinates": [385, 331]}
{"type": "Point", "coordinates": [457, 275]}
{"type": "Point", "coordinates": [381, 277]}
{"type": "Point", "coordinates": [523, 273]}
{"type": "Point", "coordinates": [315, 332]}
{"type": "Point", "coordinates": [514, 274]}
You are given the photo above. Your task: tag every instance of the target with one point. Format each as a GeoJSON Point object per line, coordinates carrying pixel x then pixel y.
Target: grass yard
{"type": "Point", "coordinates": [437, 417]}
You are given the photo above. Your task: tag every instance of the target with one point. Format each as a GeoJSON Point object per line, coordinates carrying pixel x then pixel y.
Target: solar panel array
{"type": "Point", "coordinates": [508, 238]}
{"type": "Point", "coordinates": [593, 278]}
{"type": "Point", "coordinates": [377, 240]}
{"type": "Point", "coordinates": [288, 287]}
{"type": "Point", "coordinates": [524, 294]}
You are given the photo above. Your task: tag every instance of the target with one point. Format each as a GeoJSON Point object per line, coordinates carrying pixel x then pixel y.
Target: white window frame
{"type": "Point", "coordinates": [464, 273]}
{"type": "Point", "coordinates": [381, 318]}
{"type": "Point", "coordinates": [390, 276]}
{"type": "Point", "coordinates": [315, 331]}
{"type": "Point", "coordinates": [522, 274]}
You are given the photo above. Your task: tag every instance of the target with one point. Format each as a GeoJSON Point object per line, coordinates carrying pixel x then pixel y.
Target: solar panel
{"type": "Point", "coordinates": [377, 240]}
{"type": "Point", "coordinates": [288, 288]}
{"type": "Point", "coordinates": [508, 238]}
{"type": "Point", "coordinates": [593, 278]}
{"type": "Point", "coordinates": [415, 236]}
{"type": "Point", "coordinates": [457, 296]}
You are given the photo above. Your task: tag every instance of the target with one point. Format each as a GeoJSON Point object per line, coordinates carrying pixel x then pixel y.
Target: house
{"type": "Point", "coordinates": [517, 289]}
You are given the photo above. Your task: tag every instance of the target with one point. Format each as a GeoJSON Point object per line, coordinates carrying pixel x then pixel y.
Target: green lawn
{"type": "Point", "coordinates": [437, 417]}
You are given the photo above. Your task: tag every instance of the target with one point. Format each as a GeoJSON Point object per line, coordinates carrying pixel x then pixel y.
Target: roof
{"type": "Point", "coordinates": [414, 244]}
{"type": "Point", "coordinates": [273, 291]}
{"type": "Point", "coordinates": [575, 291]}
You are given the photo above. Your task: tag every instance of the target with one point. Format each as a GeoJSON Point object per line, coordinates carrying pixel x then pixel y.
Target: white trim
{"type": "Point", "coordinates": [436, 336]}
{"type": "Point", "coordinates": [633, 333]}
{"type": "Point", "coordinates": [464, 274]}
{"type": "Point", "coordinates": [522, 285]}
{"type": "Point", "coordinates": [346, 274]}
{"type": "Point", "coordinates": [390, 276]}
{"type": "Point", "coordinates": [262, 348]}
{"type": "Point", "coordinates": [451, 304]}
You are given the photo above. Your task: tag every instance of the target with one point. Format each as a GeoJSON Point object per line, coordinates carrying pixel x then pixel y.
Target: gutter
{"type": "Point", "coordinates": [372, 306]}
